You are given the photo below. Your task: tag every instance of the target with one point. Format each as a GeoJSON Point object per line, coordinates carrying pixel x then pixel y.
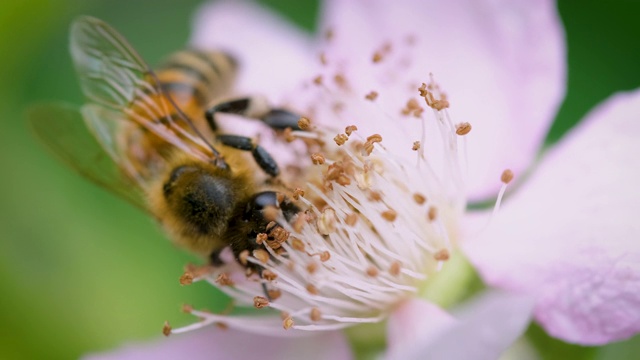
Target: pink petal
{"type": "Point", "coordinates": [214, 343]}
{"type": "Point", "coordinates": [501, 63]}
{"type": "Point", "coordinates": [571, 236]}
{"type": "Point", "coordinates": [273, 54]}
{"type": "Point", "coordinates": [483, 328]}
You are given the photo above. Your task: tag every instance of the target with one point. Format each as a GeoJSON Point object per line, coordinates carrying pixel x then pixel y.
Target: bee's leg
{"type": "Point", "coordinates": [262, 157]}
{"type": "Point", "coordinates": [255, 108]}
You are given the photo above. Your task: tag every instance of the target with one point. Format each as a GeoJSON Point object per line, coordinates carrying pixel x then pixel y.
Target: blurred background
{"type": "Point", "coordinates": [82, 271]}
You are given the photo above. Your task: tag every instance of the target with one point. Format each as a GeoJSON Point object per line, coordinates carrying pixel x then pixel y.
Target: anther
{"type": "Point", "coordinates": [507, 176]}
{"type": "Point", "coordinates": [377, 57]}
{"type": "Point", "coordinates": [186, 279]}
{"type": "Point", "coordinates": [416, 146]}
{"type": "Point", "coordinates": [311, 289]}
{"type": "Point", "coordinates": [351, 219]}
{"type": "Point", "coordinates": [262, 237]}
{"type": "Point", "coordinates": [269, 275]}
{"type": "Point", "coordinates": [261, 255]}
{"type": "Point", "coordinates": [419, 198]}
{"type": "Point", "coordinates": [243, 256]}
{"type": "Point", "coordinates": [350, 129]}
{"type": "Point", "coordinates": [317, 80]}
{"type": "Point", "coordinates": [287, 323]}
{"type": "Point", "coordinates": [395, 268]}
{"type": "Point", "coordinates": [341, 139]}
{"type": "Point", "coordinates": [297, 193]}
{"type": "Point", "coordinates": [372, 271]}
{"type": "Point", "coordinates": [312, 267]}
{"type": "Point", "coordinates": [274, 294]}
{"type": "Point", "coordinates": [432, 213]}
{"type": "Point", "coordinates": [463, 128]}
{"type": "Point", "coordinates": [304, 123]}
{"type": "Point", "coordinates": [315, 314]}
{"type": "Point", "coordinates": [317, 159]}
{"type": "Point", "coordinates": [442, 255]}
{"type": "Point", "coordinates": [371, 96]}
{"type": "Point", "coordinates": [297, 244]}
{"type": "Point", "coordinates": [166, 329]}
{"type": "Point", "coordinates": [224, 280]}
{"type": "Point", "coordinates": [327, 221]}
{"type": "Point", "coordinates": [390, 215]}
{"type": "Point", "coordinates": [260, 302]}
{"type": "Point", "coordinates": [325, 256]}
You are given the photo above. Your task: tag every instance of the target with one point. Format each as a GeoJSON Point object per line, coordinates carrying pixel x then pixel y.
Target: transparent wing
{"type": "Point", "coordinates": [64, 130]}
{"type": "Point", "coordinates": [113, 76]}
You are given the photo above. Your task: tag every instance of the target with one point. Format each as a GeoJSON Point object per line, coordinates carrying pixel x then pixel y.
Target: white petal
{"type": "Point", "coordinates": [273, 54]}
{"type": "Point", "coordinates": [213, 343]}
{"type": "Point", "coordinates": [502, 64]}
{"type": "Point", "coordinates": [571, 234]}
{"type": "Point", "coordinates": [483, 329]}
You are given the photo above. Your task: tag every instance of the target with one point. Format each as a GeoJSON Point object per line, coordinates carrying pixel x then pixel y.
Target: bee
{"type": "Point", "coordinates": [152, 138]}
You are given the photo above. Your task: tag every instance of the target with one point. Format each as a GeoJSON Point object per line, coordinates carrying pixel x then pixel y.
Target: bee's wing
{"type": "Point", "coordinates": [113, 76]}
{"type": "Point", "coordinates": [74, 139]}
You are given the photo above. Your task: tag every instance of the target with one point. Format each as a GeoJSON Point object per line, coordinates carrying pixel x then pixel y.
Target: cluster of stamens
{"type": "Point", "coordinates": [374, 225]}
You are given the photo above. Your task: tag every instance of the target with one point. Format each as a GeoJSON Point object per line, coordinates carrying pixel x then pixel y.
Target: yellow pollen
{"type": "Point", "coordinates": [260, 302]}
{"type": "Point", "coordinates": [419, 198]}
{"type": "Point", "coordinates": [416, 146]}
{"type": "Point", "coordinates": [506, 176]}
{"type": "Point", "coordinates": [297, 193]}
{"type": "Point", "coordinates": [372, 96]}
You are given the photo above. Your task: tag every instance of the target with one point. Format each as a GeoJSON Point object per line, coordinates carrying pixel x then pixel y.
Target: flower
{"type": "Point", "coordinates": [387, 212]}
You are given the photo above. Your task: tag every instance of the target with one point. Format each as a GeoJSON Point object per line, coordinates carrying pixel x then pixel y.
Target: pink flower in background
{"type": "Point", "coordinates": [564, 245]}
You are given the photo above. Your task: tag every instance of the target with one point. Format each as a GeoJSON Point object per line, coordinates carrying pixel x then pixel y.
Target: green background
{"type": "Point", "coordinates": [82, 270]}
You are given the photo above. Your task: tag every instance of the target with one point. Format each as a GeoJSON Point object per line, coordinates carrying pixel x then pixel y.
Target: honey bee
{"type": "Point", "coordinates": [152, 138]}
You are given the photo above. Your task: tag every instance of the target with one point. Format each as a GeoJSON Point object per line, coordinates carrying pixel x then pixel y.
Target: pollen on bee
{"type": "Point", "coordinates": [341, 139]}
{"type": "Point", "coordinates": [224, 280]}
{"type": "Point", "coordinates": [416, 146]}
{"type": "Point", "coordinates": [442, 255]}
{"type": "Point", "coordinates": [507, 176]}
{"type": "Point", "coordinates": [315, 314]}
{"type": "Point", "coordinates": [260, 302]}
{"type": "Point", "coordinates": [350, 129]}
{"type": "Point", "coordinates": [261, 255]}
{"type": "Point", "coordinates": [166, 329]}
{"type": "Point", "coordinates": [287, 323]}
{"type": "Point", "coordinates": [269, 275]}
{"type": "Point", "coordinates": [186, 278]}
{"type": "Point", "coordinates": [463, 128]}
{"type": "Point", "coordinates": [317, 159]}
